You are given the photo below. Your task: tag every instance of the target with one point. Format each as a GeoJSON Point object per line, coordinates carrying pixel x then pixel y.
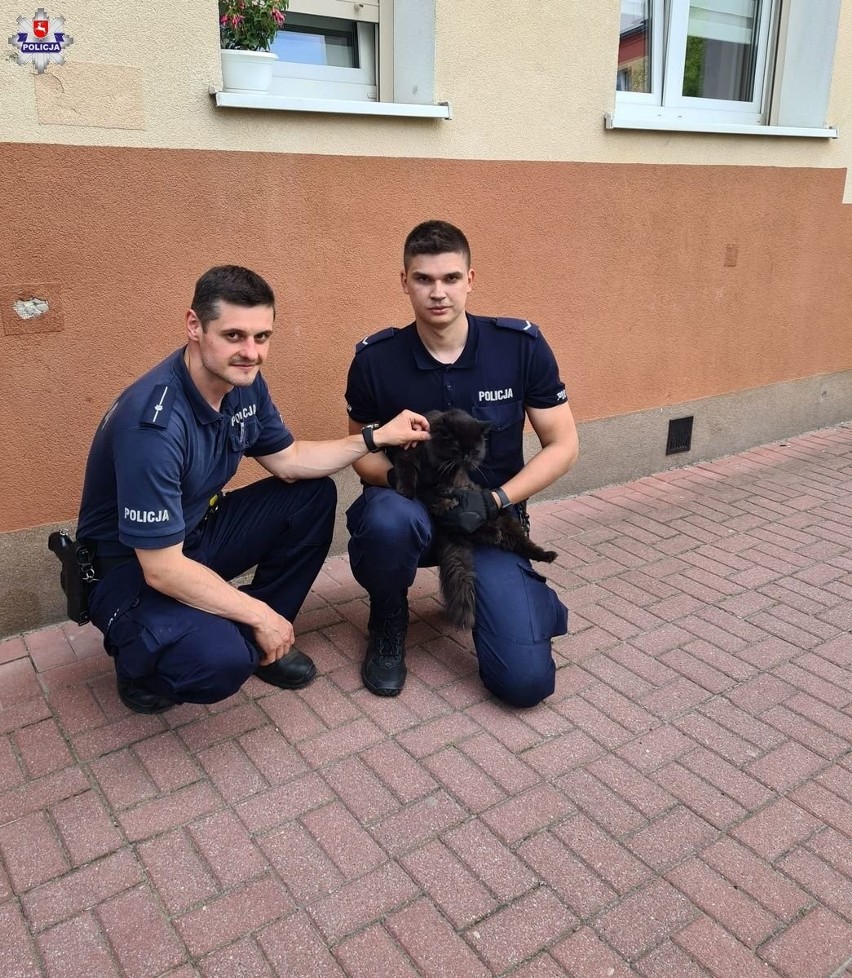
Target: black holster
{"type": "Point", "coordinates": [77, 576]}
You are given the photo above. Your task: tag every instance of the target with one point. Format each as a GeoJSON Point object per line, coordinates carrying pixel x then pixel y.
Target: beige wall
{"type": "Point", "coordinates": [526, 81]}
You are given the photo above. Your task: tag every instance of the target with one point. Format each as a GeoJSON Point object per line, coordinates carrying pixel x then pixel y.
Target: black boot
{"type": "Point", "coordinates": [139, 699]}
{"type": "Point", "coordinates": [384, 669]}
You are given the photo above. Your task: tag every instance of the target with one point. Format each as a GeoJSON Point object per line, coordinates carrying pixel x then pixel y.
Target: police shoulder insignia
{"type": "Point", "coordinates": [383, 334]}
{"type": "Point", "coordinates": [519, 325]}
{"type": "Point", "coordinates": [159, 406]}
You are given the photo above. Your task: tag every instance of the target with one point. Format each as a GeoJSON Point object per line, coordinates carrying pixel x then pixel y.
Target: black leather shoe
{"type": "Point", "coordinates": [384, 669]}
{"type": "Point", "coordinates": [294, 671]}
{"type": "Point", "coordinates": [141, 700]}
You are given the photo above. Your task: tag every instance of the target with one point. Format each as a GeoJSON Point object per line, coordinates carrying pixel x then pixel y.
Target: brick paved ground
{"type": "Point", "coordinates": [680, 808]}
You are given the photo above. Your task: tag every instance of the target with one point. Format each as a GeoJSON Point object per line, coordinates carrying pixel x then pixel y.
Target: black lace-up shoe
{"type": "Point", "coordinates": [141, 700]}
{"type": "Point", "coordinates": [384, 669]}
{"type": "Point", "coordinates": [294, 671]}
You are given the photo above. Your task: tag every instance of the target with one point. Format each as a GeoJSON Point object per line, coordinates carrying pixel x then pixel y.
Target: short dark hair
{"type": "Point", "coordinates": [435, 238]}
{"type": "Point", "coordinates": [233, 283]}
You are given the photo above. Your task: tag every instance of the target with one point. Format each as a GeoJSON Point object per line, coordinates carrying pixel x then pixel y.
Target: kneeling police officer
{"type": "Point", "coordinates": [163, 538]}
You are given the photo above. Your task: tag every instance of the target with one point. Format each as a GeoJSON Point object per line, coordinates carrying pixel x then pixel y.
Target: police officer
{"type": "Point", "coordinates": [501, 371]}
{"type": "Point", "coordinates": [167, 539]}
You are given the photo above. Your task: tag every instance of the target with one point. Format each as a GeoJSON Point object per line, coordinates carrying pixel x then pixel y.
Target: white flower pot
{"type": "Point", "coordinates": [247, 71]}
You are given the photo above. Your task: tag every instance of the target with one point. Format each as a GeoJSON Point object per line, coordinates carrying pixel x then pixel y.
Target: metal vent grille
{"type": "Point", "coordinates": [680, 435]}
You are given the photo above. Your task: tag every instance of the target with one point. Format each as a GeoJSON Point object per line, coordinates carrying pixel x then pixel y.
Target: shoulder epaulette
{"type": "Point", "coordinates": [159, 406]}
{"type": "Point", "coordinates": [383, 334]}
{"type": "Point", "coordinates": [519, 325]}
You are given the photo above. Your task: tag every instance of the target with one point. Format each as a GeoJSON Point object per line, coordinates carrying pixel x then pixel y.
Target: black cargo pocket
{"type": "Point", "coordinates": [135, 645]}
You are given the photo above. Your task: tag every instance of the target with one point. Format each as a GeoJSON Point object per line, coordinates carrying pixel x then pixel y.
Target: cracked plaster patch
{"type": "Point", "coordinates": [31, 307]}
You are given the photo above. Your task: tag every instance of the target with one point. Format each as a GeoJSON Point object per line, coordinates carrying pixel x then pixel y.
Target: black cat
{"type": "Point", "coordinates": [427, 471]}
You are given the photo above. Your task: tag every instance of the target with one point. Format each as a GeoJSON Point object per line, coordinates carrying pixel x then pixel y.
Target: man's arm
{"type": "Point", "coordinates": [170, 572]}
{"type": "Point", "coordinates": [312, 459]}
{"type": "Point", "coordinates": [560, 446]}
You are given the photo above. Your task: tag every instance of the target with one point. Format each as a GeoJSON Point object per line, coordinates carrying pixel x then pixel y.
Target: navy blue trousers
{"type": "Point", "coordinates": [187, 655]}
{"type": "Point", "coordinates": [517, 612]}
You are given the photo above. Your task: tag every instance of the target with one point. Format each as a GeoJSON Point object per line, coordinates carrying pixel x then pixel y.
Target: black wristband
{"type": "Point", "coordinates": [369, 441]}
{"type": "Point", "coordinates": [500, 493]}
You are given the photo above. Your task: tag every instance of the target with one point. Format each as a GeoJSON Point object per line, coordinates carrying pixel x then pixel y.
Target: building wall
{"type": "Point", "coordinates": [667, 270]}
{"type": "Point", "coordinates": [526, 82]}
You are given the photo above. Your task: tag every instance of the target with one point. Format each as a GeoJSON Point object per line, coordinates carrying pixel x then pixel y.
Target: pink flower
{"type": "Point", "coordinates": [277, 16]}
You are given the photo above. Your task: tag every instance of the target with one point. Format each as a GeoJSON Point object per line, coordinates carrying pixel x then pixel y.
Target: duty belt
{"type": "Point", "coordinates": [103, 565]}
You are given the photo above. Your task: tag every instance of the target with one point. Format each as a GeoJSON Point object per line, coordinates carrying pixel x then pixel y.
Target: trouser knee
{"type": "Point", "coordinates": [190, 677]}
{"type": "Point", "coordinates": [388, 536]}
{"type": "Point", "coordinates": [520, 677]}
{"type": "Point", "coordinates": [381, 518]}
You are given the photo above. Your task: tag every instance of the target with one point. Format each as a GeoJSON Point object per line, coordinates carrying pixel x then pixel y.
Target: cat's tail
{"type": "Point", "coordinates": [457, 577]}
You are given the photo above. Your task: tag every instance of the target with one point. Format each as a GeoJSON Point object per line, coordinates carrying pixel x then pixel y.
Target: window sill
{"type": "Point", "coordinates": [614, 121]}
{"type": "Point", "coordinates": [291, 103]}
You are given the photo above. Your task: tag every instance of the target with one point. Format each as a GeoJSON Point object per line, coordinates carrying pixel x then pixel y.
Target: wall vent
{"type": "Point", "coordinates": [680, 435]}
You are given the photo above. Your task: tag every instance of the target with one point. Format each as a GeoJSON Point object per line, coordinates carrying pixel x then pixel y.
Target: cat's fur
{"type": "Point", "coordinates": [427, 471]}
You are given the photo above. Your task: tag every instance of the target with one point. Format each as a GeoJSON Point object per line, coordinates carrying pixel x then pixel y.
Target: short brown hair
{"type": "Point", "coordinates": [435, 238]}
{"type": "Point", "coordinates": [233, 283]}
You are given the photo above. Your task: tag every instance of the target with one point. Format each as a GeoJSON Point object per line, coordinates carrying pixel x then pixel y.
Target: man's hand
{"type": "Point", "coordinates": [475, 508]}
{"type": "Point", "coordinates": [405, 429]}
{"type": "Point", "coordinates": [274, 637]}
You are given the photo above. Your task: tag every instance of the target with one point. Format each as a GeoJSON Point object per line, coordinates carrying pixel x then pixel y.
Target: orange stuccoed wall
{"type": "Point", "coordinates": [654, 284]}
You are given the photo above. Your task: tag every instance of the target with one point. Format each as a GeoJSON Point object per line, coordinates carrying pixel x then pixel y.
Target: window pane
{"type": "Point", "coordinates": [634, 47]}
{"type": "Point", "coordinates": [721, 49]}
{"type": "Point", "coordinates": [309, 40]}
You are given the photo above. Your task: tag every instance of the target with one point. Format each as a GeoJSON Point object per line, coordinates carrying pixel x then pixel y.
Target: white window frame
{"type": "Point", "coordinates": [669, 27]}
{"type": "Point", "coordinates": [794, 59]}
{"type": "Point", "coordinates": [329, 82]}
{"type": "Point", "coordinates": [717, 109]}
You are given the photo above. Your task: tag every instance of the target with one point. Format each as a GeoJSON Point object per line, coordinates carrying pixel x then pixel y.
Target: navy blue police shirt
{"type": "Point", "coordinates": [505, 367]}
{"type": "Point", "coordinates": [161, 452]}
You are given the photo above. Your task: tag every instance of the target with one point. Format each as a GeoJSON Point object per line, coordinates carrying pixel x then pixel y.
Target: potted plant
{"type": "Point", "coordinates": [247, 28]}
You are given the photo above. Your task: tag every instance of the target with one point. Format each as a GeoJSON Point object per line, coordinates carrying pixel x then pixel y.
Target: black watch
{"type": "Point", "coordinates": [369, 441]}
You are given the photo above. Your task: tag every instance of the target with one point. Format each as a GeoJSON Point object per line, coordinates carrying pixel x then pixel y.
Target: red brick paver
{"type": "Point", "coordinates": [681, 807]}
